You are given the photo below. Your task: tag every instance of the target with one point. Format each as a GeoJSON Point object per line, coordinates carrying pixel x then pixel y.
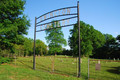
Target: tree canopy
{"type": "Point", "coordinates": [89, 37]}
{"type": "Point", "coordinates": [13, 23]}
{"type": "Point", "coordinates": [118, 38]}
{"type": "Point", "coordinates": [55, 39]}
{"type": "Point", "coordinates": [41, 48]}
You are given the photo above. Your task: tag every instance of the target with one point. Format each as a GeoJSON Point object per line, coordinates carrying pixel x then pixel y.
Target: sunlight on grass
{"type": "Point", "coordinates": [64, 68]}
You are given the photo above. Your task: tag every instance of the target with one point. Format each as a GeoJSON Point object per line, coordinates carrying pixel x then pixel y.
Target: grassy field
{"type": "Point", "coordinates": [64, 69]}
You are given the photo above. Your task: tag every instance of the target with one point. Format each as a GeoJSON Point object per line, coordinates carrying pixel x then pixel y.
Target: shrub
{"type": "Point", "coordinates": [4, 60]}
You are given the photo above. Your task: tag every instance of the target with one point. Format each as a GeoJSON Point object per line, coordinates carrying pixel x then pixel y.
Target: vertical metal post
{"type": "Point", "coordinates": [77, 66]}
{"type": "Point", "coordinates": [34, 45]}
{"type": "Point", "coordinates": [88, 68]}
{"type": "Point", "coordinates": [15, 60]}
{"type": "Point", "coordinates": [79, 74]}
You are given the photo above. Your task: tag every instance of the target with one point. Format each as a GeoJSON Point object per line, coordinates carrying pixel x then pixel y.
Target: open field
{"type": "Point", "coordinates": [10, 72]}
{"type": "Point", "coordinates": [64, 69]}
{"type": "Point", "coordinates": [109, 70]}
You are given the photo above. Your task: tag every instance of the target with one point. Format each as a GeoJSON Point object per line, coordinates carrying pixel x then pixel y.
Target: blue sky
{"type": "Point", "coordinates": [103, 15]}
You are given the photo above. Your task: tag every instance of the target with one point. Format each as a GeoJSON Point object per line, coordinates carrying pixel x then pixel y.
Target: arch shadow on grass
{"type": "Point", "coordinates": [114, 70]}
{"type": "Point", "coordinates": [25, 64]}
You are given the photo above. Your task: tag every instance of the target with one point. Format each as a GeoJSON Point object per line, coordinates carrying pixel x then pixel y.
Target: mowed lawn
{"type": "Point", "coordinates": [64, 69]}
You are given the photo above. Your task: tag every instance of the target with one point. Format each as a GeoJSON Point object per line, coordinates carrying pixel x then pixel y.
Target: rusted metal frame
{"type": "Point", "coordinates": [55, 27]}
{"type": "Point", "coordinates": [79, 51]}
{"type": "Point", "coordinates": [56, 21]}
{"type": "Point", "coordinates": [57, 10]}
{"type": "Point", "coordinates": [51, 28]}
{"type": "Point", "coordinates": [34, 44]}
{"type": "Point", "coordinates": [57, 16]}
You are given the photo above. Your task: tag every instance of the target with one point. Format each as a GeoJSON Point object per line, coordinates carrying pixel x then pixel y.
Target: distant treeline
{"type": "Point", "coordinates": [14, 25]}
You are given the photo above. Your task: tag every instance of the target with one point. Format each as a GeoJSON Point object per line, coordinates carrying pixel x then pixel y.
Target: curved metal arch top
{"type": "Point", "coordinates": [56, 20]}
{"type": "Point", "coordinates": [56, 16]}
{"type": "Point", "coordinates": [57, 10]}
{"type": "Point", "coordinates": [49, 15]}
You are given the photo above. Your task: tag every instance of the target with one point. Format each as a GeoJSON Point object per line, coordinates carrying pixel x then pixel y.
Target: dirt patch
{"type": "Point", "coordinates": [13, 65]}
{"type": "Point", "coordinates": [4, 63]}
{"type": "Point", "coordinates": [60, 74]}
{"type": "Point", "coordinates": [35, 78]}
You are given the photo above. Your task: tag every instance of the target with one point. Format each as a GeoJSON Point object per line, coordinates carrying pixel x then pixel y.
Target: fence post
{"type": "Point", "coordinates": [53, 64]}
{"type": "Point", "coordinates": [88, 68]}
{"type": "Point", "coordinates": [77, 66]}
{"type": "Point", "coordinates": [15, 60]}
{"type": "Point", "coordinates": [53, 61]}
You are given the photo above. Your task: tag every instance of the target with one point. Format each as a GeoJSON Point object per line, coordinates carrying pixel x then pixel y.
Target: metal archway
{"type": "Point", "coordinates": [45, 26]}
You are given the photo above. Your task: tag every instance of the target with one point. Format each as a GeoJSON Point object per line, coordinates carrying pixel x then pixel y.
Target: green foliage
{"type": "Point", "coordinates": [18, 49]}
{"type": "Point", "coordinates": [28, 47]}
{"type": "Point", "coordinates": [89, 37]}
{"type": "Point", "coordinates": [40, 48]}
{"type": "Point", "coordinates": [110, 48]}
{"type": "Point", "coordinates": [118, 38]}
{"type": "Point", "coordinates": [13, 23]}
{"type": "Point", "coordinates": [67, 52]}
{"type": "Point", "coordinates": [118, 43]}
{"type": "Point", "coordinates": [4, 52]}
{"type": "Point", "coordinates": [110, 45]}
{"type": "Point", "coordinates": [4, 60]}
{"type": "Point", "coordinates": [109, 39]}
{"type": "Point", "coordinates": [55, 39]}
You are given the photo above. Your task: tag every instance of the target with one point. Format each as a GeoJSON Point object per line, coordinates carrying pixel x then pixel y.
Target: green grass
{"type": "Point", "coordinates": [65, 70]}
{"type": "Point", "coordinates": [109, 71]}
{"type": "Point", "coordinates": [8, 72]}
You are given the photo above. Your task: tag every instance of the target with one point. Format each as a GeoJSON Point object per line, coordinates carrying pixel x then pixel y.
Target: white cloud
{"type": "Point", "coordinates": [116, 32]}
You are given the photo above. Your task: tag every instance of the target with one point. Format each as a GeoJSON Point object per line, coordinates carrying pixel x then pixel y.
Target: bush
{"type": "Point", "coordinates": [0, 62]}
{"type": "Point", "coordinates": [4, 60]}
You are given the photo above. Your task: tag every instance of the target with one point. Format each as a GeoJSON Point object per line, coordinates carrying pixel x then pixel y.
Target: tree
{"type": "Point", "coordinates": [18, 49]}
{"type": "Point", "coordinates": [40, 48]}
{"type": "Point", "coordinates": [108, 50]}
{"type": "Point", "coordinates": [13, 23]}
{"type": "Point", "coordinates": [89, 37]}
{"type": "Point", "coordinates": [98, 40]}
{"type": "Point", "coordinates": [27, 46]}
{"type": "Point", "coordinates": [55, 38]}
{"type": "Point", "coordinates": [109, 44]}
{"type": "Point", "coordinates": [118, 38]}
{"type": "Point", "coordinates": [118, 46]}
